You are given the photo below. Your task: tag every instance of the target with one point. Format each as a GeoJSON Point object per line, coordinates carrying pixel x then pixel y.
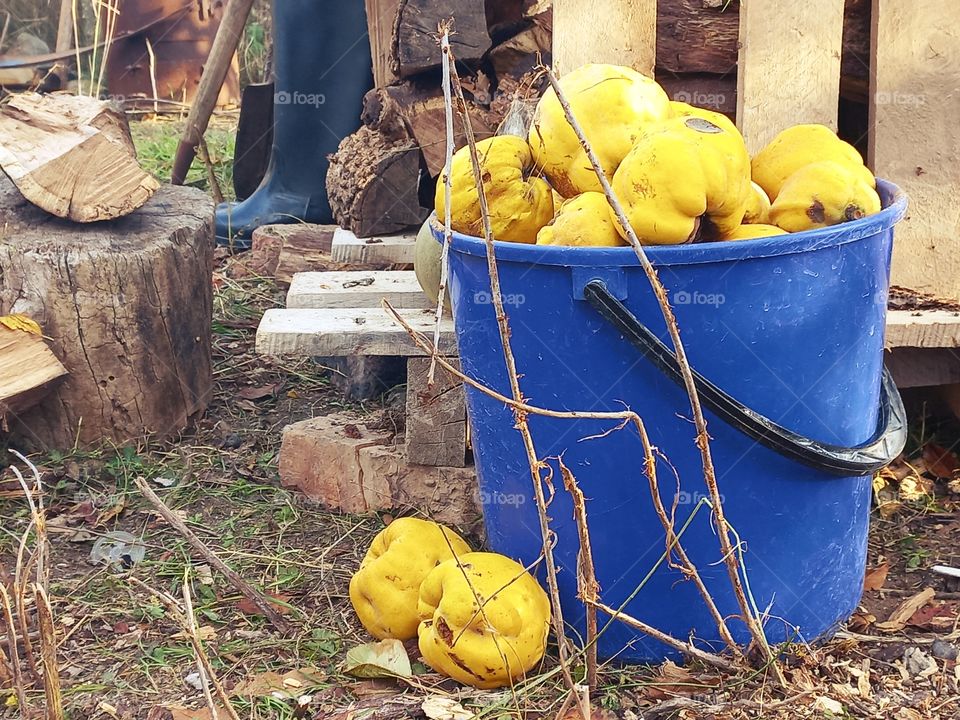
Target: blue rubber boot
{"type": "Point", "coordinates": [322, 71]}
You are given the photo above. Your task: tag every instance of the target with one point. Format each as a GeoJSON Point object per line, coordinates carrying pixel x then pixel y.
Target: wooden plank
{"type": "Point", "coordinates": [923, 329]}
{"type": "Point", "coordinates": [923, 367]}
{"type": "Point", "coordinates": [915, 139]}
{"type": "Point", "coordinates": [436, 432]}
{"type": "Point", "coordinates": [340, 332]}
{"type": "Point", "coordinates": [381, 18]}
{"type": "Point", "coordinates": [356, 289]}
{"type": "Point", "coordinates": [789, 67]}
{"type": "Point", "coordinates": [393, 249]}
{"type": "Point", "coordinates": [622, 32]}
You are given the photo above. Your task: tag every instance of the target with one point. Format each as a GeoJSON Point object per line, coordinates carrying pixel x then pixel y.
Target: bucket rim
{"type": "Point", "coordinates": [894, 207]}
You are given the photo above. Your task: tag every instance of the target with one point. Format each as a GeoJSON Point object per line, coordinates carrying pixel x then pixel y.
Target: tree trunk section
{"type": "Point", "coordinates": [127, 305]}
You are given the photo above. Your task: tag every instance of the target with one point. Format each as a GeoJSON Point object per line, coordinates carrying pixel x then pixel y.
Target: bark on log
{"type": "Point", "coordinates": [373, 183]}
{"type": "Point", "coordinates": [72, 156]}
{"type": "Point", "coordinates": [416, 110]}
{"type": "Point", "coordinates": [127, 305]}
{"type": "Point", "coordinates": [415, 46]}
{"type": "Point", "coordinates": [521, 53]}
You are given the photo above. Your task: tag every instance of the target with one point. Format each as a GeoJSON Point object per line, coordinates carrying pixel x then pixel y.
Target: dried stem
{"type": "Point", "coordinates": [48, 655]}
{"type": "Point", "coordinates": [520, 417]}
{"type": "Point", "coordinates": [192, 631]}
{"type": "Point", "coordinates": [248, 591]}
{"type": "Point", "coordinates": [189, 627]}
{"type": "Point", "coordinates": [444, 31]}
{"type": "Point", "coordinates": [700, 423]}
{"type": "Point", "coordinates": [14, 651]}
{"type": "Point", "coordinates": [586, 573]}
{"type": "Point", "coordinates": [624, 416]}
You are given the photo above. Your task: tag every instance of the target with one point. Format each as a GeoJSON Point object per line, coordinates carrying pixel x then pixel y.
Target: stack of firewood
{"type": "Point", "coordinates": [382, 178]}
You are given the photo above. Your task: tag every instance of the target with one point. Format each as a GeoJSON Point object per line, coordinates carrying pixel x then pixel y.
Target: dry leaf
{"type": "Point", "coordinates": [437, 707]}
{"type": "Point", "coordinates": [825, 704]}
{"type": "Point", "coordinates": [939, 616]}
{"type": "Point", "coordinates": [278, 600]}
{"type": "Point", "coordinates": [256, 393]}
{"type": "Point", "coordinates": [20, 322]}
{"type": "Point", "coordinates": [386, 658]}
{"type": "Point", "coordinates": [673, 680]}
{"type": "Point", "coordinates": [939, 461]}
{"type": "Point", "coordinates": [860, 621]}
{"type": "Point", "coordinates": [875, 578]}
{"type": "Point", "coordinates": [292, 682]}
{"type": "Point", "coordinates": [898, 618]}
{"type": "Point", "coordinates": [204, 632]}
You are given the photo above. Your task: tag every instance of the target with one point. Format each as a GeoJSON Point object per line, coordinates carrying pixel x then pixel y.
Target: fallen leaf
{"type": "Point", "coordinates": [898, 618]}
{"type": "Point", "coordinates": [672, 680]}
{"type": "Point", "coordinates": [939, 461]}
{"type": "Point", "coordinates": [437, 707]}
{"type": "Point", "coordinates": [256, 393]}
{"type": "Point", "coordinates": [386, 658]}
{"type": "Point", "coordinates": [164, 482]}
{"type": "Point", "coordinates": [939, 616]}
{"type": "Point", "coordinates": [825, 704]}
{"type": "Point", "coordinates": [204, 574]}
{"type": "Point", "coordinates": [280, 602]}
{"type": "Point", "coordinates": [860, 621]}
{"type": "Point", "coordinates": [204, 632]}
{"type": "Point", "coordinates": [20, 322]}
{"type": "Point", "coordinates": [266, 683]}
{"type": "Point", "coordinates": [875, 578]}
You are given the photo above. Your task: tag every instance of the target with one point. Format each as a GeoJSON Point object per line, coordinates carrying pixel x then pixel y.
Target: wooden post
{"type": "Point", "coordinates": [381, 18]}
{"type": "Point", "coordinates": [789, 67]}
{"type": "Point", "coordinates": [436, 417]}
{"type": "Point", "coordinates": [621, 32]}
{"type": "Point", "coordinates": [915, 139]}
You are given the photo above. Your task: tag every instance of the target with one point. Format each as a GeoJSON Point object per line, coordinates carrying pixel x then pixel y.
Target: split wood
{"type": "Point", "coordinates": [536, 465]}
{"type": "Point", "coordinates": [730, 554]}
{"type": "Point", "coordinates": [259, 600]}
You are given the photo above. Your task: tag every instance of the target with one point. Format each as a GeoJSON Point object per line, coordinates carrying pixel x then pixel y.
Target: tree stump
{"type": "Point", "coordinates": [127, 306]}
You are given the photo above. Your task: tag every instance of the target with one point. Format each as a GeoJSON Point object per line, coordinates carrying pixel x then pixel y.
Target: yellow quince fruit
{"type": "Point", "coordinates": [801, 145]}
{"type": "Point", "coordinates": [520, 203]}
{"type": "Point", "coordinates": [821, 194]}
{"type": "Point", "coordinates": [754, 230]}
{"type": "Point", "coordinates": [584, 220]}
{"type": "Point", "coordinates": [686, 178]}
{"type": "Point", "coordinates": [612, 104]}
{"type": "Point", "coordinates": [758, 206]}
{"type": "Point", "coordinates": [385, 590]}
{"type": "Point", "coordinates": [485, 620]}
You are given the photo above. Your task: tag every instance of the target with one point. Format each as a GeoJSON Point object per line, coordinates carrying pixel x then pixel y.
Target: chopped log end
{"type": "Point", "coordinates": [73, 157]}
{"type": "Point", "coordinates": [28, 370]}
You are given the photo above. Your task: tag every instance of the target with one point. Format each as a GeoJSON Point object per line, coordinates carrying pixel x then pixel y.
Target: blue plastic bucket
{"type": "Point", "coordinates": [791, 327]}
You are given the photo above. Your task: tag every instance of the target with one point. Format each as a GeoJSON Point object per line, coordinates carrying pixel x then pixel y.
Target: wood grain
{"type": "Point", "coordinates": [789, 67]}
{"type": "Point", "coordinates": [348, 248]}
{"type": "Point", "coordinates": [915, 103]}
{"type": "Point", "coordinates": [622, 32]}
{"type": "Point", "coordinates": [341, 332]}
{"type": "Point", "coordinates": [356, 289]}
{"type": "Point", "coordinates": [436, 417]}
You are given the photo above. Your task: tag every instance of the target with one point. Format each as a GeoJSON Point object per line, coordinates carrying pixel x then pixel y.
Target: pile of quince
{"type": "Point", "coordinates": [681, 173]}
{"type": "Point", "coordinates": [479, 617]}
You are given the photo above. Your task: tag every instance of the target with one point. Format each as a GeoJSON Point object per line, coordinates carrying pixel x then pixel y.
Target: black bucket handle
{"type": "Point", "coordinates": [886, 444]}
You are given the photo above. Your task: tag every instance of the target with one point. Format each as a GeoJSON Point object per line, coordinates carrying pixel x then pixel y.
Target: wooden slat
{"type": "Point", "coordinates": [391, 249]}
{"type": "Point", "coordinates": [341, 332]}
{"type": "Point", "coordinates": [356, 289]}
{"type": "Point", "coordinates": [915, 139]}
{"type": "Point", "coordinates": [789, 66]}
{"type": "Point", "coordinates": [923, 367]}
{"type": "Point", "coordinates": [381, 17]}
{"type": "Point", "coordinates": [923, 329]}
{"type": "Point", "coordinates": [621, 32]}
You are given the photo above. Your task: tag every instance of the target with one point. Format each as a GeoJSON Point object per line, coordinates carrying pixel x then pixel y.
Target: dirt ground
{"type": "Point", "coordinates": [121, 654]}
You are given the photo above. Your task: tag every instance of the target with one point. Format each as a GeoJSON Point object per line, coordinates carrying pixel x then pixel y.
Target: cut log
{"type": "Point", "coordinates": [415, 45]}
{"type": "Point", "coordinates": [695, 36]}
{"type": "Point", "coordinates": [373, 183]}
{"type": "Point", "coordinates": [127, 306]}
{"type": "Point", "coordinates": [436, 417]}
{"type": "Point", "coordinates": [416, 110]}
{"type": "Point", "coordinates": [714, 92]}
{"type": "Point", "coordinates": [282, 251]}
{"type": "Point", "coordinates": [526, 49]}
{"type": "Point", "coordinates": [72, 156]}
{"type": "Point", "coordinates": [28, 368]}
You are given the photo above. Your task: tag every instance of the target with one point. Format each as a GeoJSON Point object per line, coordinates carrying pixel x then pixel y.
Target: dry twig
{"type": "Point", "coordinates": [700, 423]}
{"type": "Point", "coordinates": [248, 591]}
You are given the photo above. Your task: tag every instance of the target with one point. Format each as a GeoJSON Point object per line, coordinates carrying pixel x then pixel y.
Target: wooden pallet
{"type": "Point", "coordinates": [788, 72]}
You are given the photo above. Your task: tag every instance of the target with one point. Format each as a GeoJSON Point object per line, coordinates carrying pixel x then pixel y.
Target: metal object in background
{"type": "Point", "coordinates": [180, 34]}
